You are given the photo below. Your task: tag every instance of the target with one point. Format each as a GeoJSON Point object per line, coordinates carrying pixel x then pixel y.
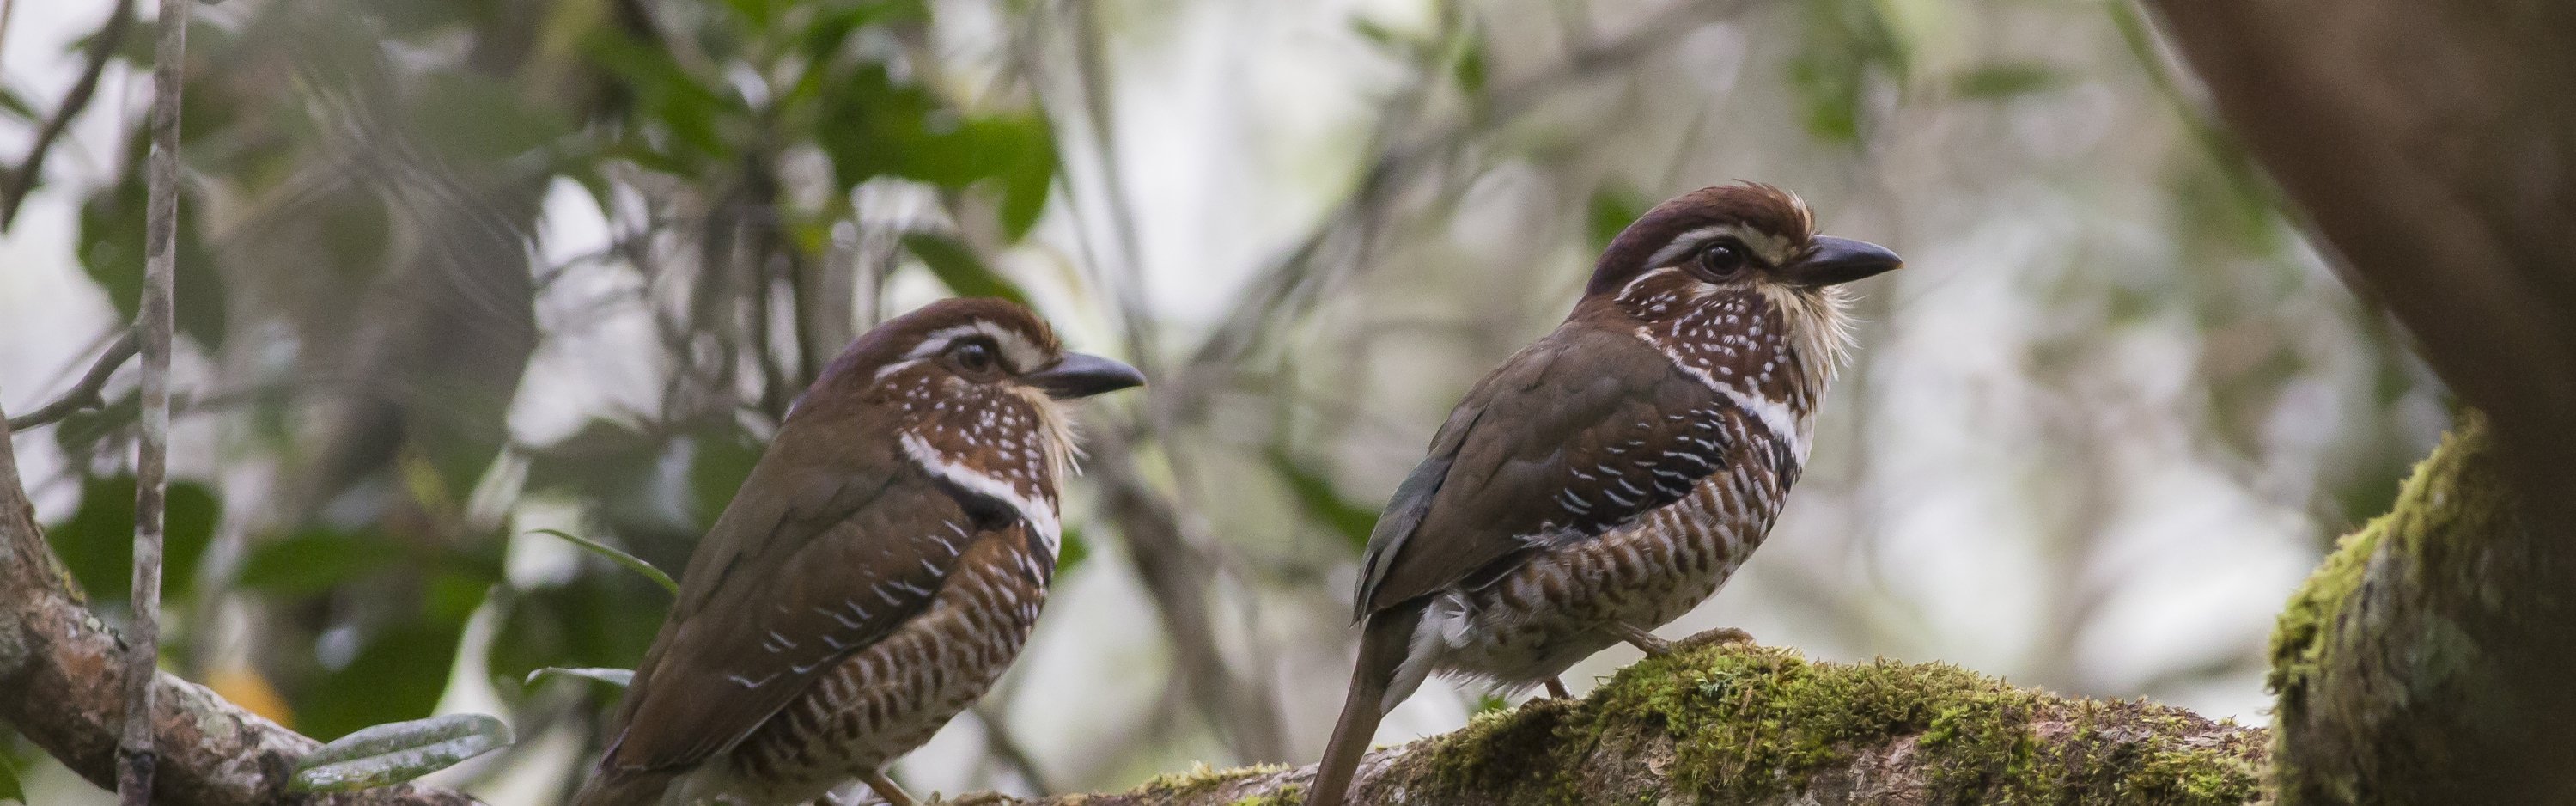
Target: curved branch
{"type": "Point", "coordinates": [58, 663]}
{"type": "Point", "coordinates": [84, 394]}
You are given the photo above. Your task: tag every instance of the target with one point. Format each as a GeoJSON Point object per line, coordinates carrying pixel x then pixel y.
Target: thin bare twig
{"type": "Point", "coordinates": [84, 394]}
{"type": "Point", "coordinates": [134, 753]}
{"type": "Point", "coordinates": [101, 48]}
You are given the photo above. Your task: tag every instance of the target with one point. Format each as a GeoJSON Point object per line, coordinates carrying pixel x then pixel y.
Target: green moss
{"type": "Point", "coordinates": [2429, 542]}
{"type": "Point", "coordinates": [2298, 645]}
{"type": "Point", "coordinates": [1746, 724]}
{"type": "Point", "coordinates": [1200, 780]}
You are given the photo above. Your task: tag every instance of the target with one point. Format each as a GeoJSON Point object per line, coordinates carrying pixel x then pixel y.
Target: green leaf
{"type": "Point", "coordinates": [97, 542]}
{"type": "Point", "coordinates": [398, 674]}
{"type": "Point", "coordinates": [16, 105]}
{"type": "Point", "coordinates": [756, 14]}
{"type": "Point", "coordinates": [111, 250]}
{"type": "Point", "coordinates": [12, 781]}
{"type": "Point", "coordinates": [1071, 551]}
{"type": "Point", "coordinates": [2006, 79]}
{"type": "Point", "coordinates": [1850, 45]}
{"type": "Point", "coordinates": [688, 109]}
{"type": "Point", "coordinates": [620, 678]}
{"type": "Point", "coordinates": [1613, 208]}
{"type": "Point", "coordinates": [1024, 152]}
{"type": "Point", "coordinates": [719, 461]}
{"type": "Point", "coordinates": [398, 752]}
{"type": "Point", "coordinates": [1387, 39]}
{"type": "Point", "coordinates": [959, 269]}
{"type": "Point", "coordinates": [620, 557]}
{"type": "Point", "coordinates": [1321, 501]}
{"type": "Point", "coordinates": [1470, 67]}
{"type": "Point", "coordinates": [313, 562]}
{"type": "Point", "coordinates": [591, 620]}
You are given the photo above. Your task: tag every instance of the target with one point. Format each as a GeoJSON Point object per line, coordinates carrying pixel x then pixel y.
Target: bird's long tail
{"type": "Point", "coordinates": [1383, 645]}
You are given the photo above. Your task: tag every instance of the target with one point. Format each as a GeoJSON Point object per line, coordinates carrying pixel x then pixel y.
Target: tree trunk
{"type": "Point", "coordinates": [2432, 147]}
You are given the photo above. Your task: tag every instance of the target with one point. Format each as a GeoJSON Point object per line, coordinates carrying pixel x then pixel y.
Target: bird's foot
{"type": "Point", "coordinates": [1644, 641]}
{"type": "Point", "coordinates": [1717, 637]}
{"type": "Point", "coordinates": [1556, 688]}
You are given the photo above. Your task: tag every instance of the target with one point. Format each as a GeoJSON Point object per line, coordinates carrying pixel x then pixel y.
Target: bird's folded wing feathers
{"type": "Point", "coordinates": [1563, 442]}
{"type": "Point", "coordinates": [820, 575]}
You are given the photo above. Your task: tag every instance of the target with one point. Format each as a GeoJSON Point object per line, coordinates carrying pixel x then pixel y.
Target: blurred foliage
{"type": "Point", "coordinates": [97, 542]}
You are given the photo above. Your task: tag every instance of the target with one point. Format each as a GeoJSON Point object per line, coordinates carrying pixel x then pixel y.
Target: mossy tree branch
{"type": "Point", "coordinates": [1759, 725]}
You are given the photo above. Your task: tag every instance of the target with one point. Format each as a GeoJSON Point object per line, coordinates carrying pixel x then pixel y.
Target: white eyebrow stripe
{"type": "Point", "coordinates": [1684, 244]}
{"type": "Point", "coordinates": [1773, 249]}
{"type": "Point", "coordinates": [1019, 354]}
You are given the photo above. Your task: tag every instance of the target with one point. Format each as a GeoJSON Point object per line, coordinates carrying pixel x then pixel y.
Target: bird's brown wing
{"type": "Point", "coordinates": [804, 568]}
{"type": "Point", "coordinates": [1578, 433]}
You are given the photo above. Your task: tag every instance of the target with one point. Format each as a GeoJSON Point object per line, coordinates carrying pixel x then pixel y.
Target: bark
{"type": "Point", "coordinates": [58, 664]}
{"type": "Point", "coordinates": [2414, 667]}
{"type": "Point", "coordinates": [1758, 725]}
{"type": "Point", "coordinates": [2432, 148]}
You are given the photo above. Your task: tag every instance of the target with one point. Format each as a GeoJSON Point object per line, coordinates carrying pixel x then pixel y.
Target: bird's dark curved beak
{"type": "Point", "coordinates": [1834, 260]}
{"type": "Point", "coordinates": [1083, 375]}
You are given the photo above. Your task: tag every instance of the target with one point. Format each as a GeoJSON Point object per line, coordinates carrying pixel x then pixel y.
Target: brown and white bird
{"type": "Point", "coordinates": [1610, 476]}
{"type": "Point", "coordinates": [877, 571]}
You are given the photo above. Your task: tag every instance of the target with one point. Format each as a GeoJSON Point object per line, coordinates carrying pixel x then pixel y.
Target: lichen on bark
{"type": "Point", "coordinates": [2420, 644]}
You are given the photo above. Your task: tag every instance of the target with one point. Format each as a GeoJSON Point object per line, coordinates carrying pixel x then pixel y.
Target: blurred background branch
{"type": "Point", "coordinates": [102, 46]}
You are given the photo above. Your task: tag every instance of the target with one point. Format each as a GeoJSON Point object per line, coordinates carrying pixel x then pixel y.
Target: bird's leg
{"type": "Point", "coordinates": [1556, 688]}
{"type": "Point", "coordinates": [1644, 641]}
{"type": "Point", "coordinates": [886, 789]}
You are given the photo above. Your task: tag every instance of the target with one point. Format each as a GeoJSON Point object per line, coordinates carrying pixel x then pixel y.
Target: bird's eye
{"type": "Point", "coordinates": [1721, 260]}
{"type": "Point", "coordinates": [975, 357]}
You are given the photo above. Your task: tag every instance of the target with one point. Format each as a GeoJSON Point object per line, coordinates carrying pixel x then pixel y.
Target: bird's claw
{"type": "Point", "coordinates": [1657, 647]}
{"type": "Point", "coordinates": [1717, 637]}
